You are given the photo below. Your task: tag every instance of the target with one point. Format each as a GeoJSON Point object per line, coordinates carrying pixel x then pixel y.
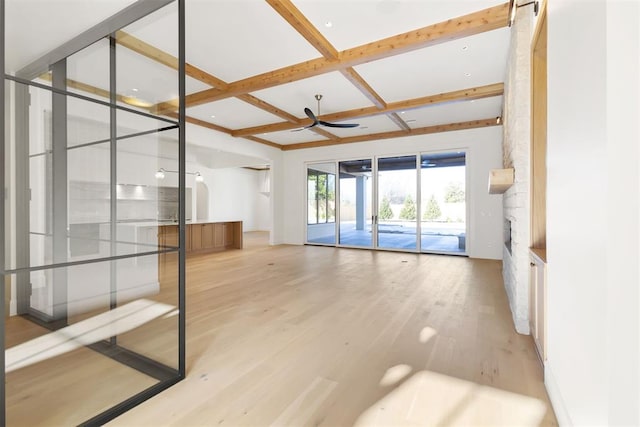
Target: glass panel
{"type": "Point", "coordinates": [153, 280]}
{"type": "Point", "coordinates": [321, 203]}
{"type": "Point", "coordinates": [88, 72]}
{"type": "Point", "coordinates": [397, 203]}
{"type": "Point", "coordinates": [147, 189]}
{"type": "Point", "coordinates": [87, 123]}
{"type": "Point", "coordinates": [355, 203]}
{"type": "Point", "coordinates": [443, 216]}
{"type": "Point", "coordinates": [93, 332]}
{"type": "Point", "coordinates": [40, 233]}
{"type": "Point", "coordinates": [143, 82]}
{"type": "Point", "coordinates": [74, 376]}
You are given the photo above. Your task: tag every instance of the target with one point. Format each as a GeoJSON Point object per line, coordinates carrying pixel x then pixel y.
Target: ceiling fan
{"type": "Point", "coordinates": [318, 122]}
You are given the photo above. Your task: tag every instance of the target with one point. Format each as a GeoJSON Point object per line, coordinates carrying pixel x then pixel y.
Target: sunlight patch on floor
{"type": "Point", "coordinates": [395, 374]}
{"type": "Point", "coordinates": [429, 398]}
{"type": "Point", "coordinates": [426, 334]}
{"type": "Point", "coordinates": [101, 327]}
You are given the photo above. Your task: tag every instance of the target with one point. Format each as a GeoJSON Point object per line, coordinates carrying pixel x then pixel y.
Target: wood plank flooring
{"type": "Point", "coordinates": [303, 335]}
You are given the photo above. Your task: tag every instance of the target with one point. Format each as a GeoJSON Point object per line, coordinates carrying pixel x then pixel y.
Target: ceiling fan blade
{"type": "Point", "coordinates": [339, 125]}
{"type": "Point", "coordinates": [306, 127]}
{"type": "Point", "coordinates": [312, 116]}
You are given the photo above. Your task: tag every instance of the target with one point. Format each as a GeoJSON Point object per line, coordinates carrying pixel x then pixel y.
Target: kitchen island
{"type": "Point", "coordinates": [203, 236]}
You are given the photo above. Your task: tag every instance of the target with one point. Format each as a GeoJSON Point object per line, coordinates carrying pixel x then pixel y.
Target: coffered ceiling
{"type": "Point", "coordinates": [396, 67]}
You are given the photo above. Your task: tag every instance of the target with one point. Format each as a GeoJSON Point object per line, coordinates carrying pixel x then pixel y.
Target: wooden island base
{"type": "Point", "coordinates": [204, 237]}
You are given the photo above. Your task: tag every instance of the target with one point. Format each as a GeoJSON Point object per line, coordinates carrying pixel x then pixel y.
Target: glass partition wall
{"type": "Point", "coordinates": [94, 293]}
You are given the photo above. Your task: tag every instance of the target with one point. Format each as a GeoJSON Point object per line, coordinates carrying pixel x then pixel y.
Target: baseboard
{"type": "Point", "coordinates": [555, 396]}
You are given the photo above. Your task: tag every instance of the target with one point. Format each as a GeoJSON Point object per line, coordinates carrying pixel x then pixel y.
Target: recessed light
{"type": "Point", "coordinates": [411, 121]}
{"type": "Point", "coordinates": [467, 74]}
{"type": "Point", "coordinates": [402, 112]}
{"type": "Point", "coordinates": [328, 24]}
{"type": "Point", "coordinates": [134, 89]}
{"type": "Point", "coordinates": [465, 47]}
{"type": "Point", "coordinates": [213, 117]}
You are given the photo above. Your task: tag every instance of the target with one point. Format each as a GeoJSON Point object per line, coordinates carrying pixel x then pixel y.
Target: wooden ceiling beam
{"type": "Point", "coordinates": [199, 122]}
{"type": "Point", "coordinates": [453, 29]}
{"type": "Point", "coordinates": [256, 102]}
{"type": "Point", "coordinates": [301, 24]}
{"type": "Point", "coordinates": [324, 133]}
{"type": "Point", "coordinates": [99, 92]}
{"type": "Point", "coordinates": [398, 120]}
{"type": "Point", "coordinates": [158, 55]}
{"type": "Point", "coordinates": [396, 134]}
{"type": "Point", "coordinates": [480, 92]}
{"type": "Point", "coordinates": [263, 141]}
{"type": "Point", "coordinates": [364, 87]}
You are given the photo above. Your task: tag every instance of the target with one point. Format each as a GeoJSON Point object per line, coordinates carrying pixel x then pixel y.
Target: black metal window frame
{"type": "Point", "coordinates": [57, 58]}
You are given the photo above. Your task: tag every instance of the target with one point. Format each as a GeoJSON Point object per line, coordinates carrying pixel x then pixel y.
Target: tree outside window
{"type": "Point", "coordinates": [385, 209]}
{"type": "Point", "coordinates": [408, 209]}
{"type": "Point", "coordinates": [432, 211]}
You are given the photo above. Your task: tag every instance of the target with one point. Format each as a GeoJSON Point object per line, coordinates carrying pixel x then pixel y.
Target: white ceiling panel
{"type": "Point", "coordinates": [357, 22]}
{"type": "Point", "coordinates": [292, 137]}
{"type": "Point", "coordinates": [440, 68]}
{"type": "Point", "coordinates": [232, 113]}
{"type": "Point", "coordinates": [454, 112]}
{"type": "Point", "coordinates": [337, 92]}
{"type": "Point", "coordinates": [35, 27]}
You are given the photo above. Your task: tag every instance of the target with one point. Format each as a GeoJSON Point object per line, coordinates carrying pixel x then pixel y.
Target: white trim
{"type": "Point", "coordinates": [555, 397]}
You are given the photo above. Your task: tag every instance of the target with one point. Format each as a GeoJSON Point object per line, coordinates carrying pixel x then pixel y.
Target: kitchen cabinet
{"type": "Point", "coordinates": [205, 237]}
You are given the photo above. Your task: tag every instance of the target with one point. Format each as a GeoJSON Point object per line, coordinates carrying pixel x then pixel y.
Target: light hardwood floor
{"type": "Point", "coordinates": [303, 335]}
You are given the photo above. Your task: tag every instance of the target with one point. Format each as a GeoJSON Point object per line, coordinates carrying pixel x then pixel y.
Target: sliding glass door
{"type": "Point", "coordinates": [443, 208]}
{"type": "Point", "coordinates": [356, 216]}
{"type": "Point", "coordinates": [414, 203]}
{"type": "Point", "coordinates": [397, 203]}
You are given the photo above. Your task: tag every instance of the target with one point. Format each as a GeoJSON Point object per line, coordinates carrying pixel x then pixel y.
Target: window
{"type": "Point", "coordinates": [321, 197]}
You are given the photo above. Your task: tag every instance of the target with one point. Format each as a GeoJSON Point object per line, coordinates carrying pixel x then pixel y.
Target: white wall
{"type": "Point", "coordinates": [517, 136]}
{"type": "Point", "coordinates": [234, 195]}
{"type": "Point", "coordinates": [592, 212]}
{"type": "Point", "coordinates": [484, 152]}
